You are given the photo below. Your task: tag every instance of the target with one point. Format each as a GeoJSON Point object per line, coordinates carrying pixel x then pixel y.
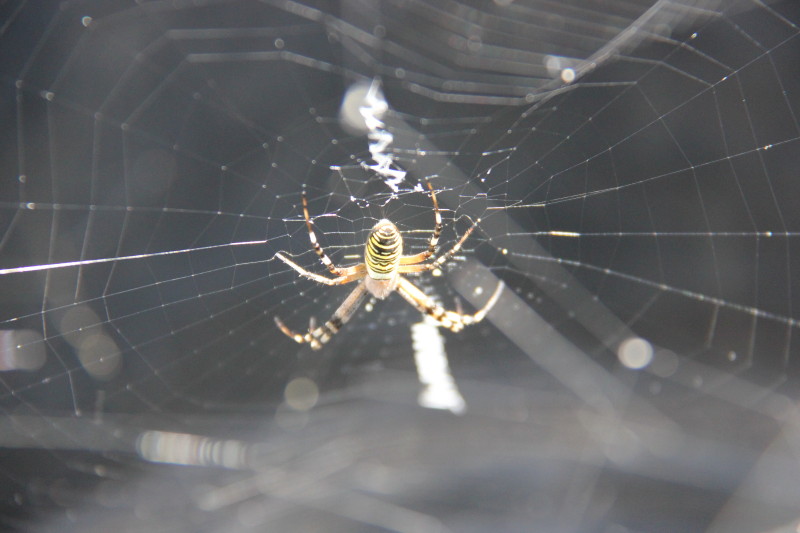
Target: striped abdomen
{"type": "Point", "coordinates": [383, 251]}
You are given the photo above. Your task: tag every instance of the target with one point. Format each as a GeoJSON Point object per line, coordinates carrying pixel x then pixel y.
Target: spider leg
{"type": "Point", "coordinates": [406, 268]}
{"type": "Point", "coordinates": [316, 337]}
{"type": "Point", "coordinates": [437, 231]}
{"type": "Point", "coordinates": [449, 319]}
{"type": "Point", "coordinates": [346, 274]}
{"type": "Point", "coordinates": [315, 244]}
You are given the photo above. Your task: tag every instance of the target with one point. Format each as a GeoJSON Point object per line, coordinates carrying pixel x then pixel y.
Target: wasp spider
{"type": "Point", "coordinates": [380, 275]}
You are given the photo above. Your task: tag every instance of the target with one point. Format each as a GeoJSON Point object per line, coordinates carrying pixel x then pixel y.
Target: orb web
{"type": "Point", "coordinates": [630, 171]}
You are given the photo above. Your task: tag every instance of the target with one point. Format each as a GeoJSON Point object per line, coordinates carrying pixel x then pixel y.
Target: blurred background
{"type": "Point", "coordinates": [631, 167]}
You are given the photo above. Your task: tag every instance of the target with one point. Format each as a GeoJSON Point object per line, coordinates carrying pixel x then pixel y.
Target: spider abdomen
{"type": "Point", "coordinates": [383, 250]}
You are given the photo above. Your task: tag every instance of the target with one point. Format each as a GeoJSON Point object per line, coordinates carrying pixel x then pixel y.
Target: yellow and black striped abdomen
{"type": "Point", "coordinates": [383, 251]}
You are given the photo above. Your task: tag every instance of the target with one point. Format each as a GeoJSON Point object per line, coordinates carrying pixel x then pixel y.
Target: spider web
{"type": "Point", "coordinates": [630, 168]}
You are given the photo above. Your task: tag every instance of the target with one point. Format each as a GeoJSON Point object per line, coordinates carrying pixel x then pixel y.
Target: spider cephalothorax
{"type": "Point", "coordinates": [380, 275]}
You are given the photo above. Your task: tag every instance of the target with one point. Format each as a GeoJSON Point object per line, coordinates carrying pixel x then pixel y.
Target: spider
{"type": "Point", "coordinates": [380, 275]}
